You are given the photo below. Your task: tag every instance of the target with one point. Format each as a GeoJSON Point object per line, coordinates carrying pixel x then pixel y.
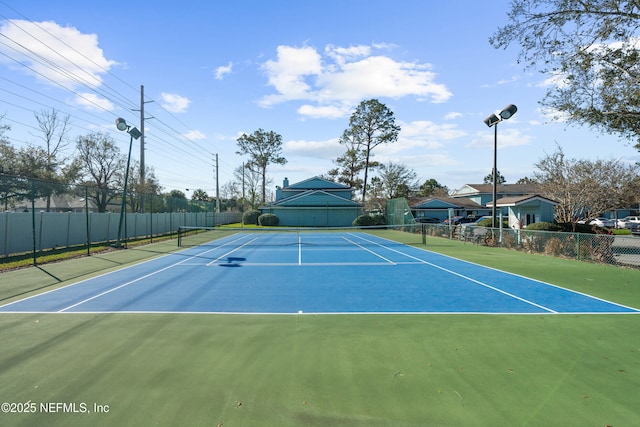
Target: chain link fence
{"type": "Point", "coordinates": [600, 248]}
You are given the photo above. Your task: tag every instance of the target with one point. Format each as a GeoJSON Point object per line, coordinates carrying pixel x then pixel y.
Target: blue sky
{"type": "Point", "coordinates": [213, 70]}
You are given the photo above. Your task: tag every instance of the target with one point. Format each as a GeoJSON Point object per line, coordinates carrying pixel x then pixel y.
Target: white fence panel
{"type": "Point", "coordinates": [55, 230]}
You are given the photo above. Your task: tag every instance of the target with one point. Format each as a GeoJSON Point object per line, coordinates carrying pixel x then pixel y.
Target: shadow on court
{"type": "Point", "coordinates": [232, 262]}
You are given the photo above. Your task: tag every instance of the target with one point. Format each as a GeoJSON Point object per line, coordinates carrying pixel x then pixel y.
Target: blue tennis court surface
{"type": "Point", "coordinates": [311, 273]}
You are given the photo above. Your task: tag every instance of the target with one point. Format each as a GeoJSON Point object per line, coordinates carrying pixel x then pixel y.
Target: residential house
{"type": "Point", "coordinates": [314, 202]}
{"type": "Point", "coordinates": [525, 210]}
{"type": "Point", "coordinates": [520, 203]}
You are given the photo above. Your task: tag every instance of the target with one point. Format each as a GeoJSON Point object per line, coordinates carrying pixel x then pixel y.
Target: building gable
{"type": "Point", "coordinates": [318, 198]}
{"type": "Point", "coordinates": [445, 203]}
{"type": "Point", "coordinates": [524, 200]}
{"type": "Point", "coordinates": [468, 190]}
{"type": "Point", "coordinates": [317, 183]}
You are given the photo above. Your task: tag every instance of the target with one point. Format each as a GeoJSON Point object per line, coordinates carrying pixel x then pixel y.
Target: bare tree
{"type": "Point", "coordinates": [250, 185]}
{"type": "Point", "coordinates": [101, 165]}
{"type": "Point", "coordinates": [54, 130]}
{"type": "Point", "coordinates": [584, 189]}
{"type": "Point", "coordinates": [397, 180]}
{"type": "Point", "coordinates": [137, 191]}
{"type": "Point", "coordinates": [264, 148]}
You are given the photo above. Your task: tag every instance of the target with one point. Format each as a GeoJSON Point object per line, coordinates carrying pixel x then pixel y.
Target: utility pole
{"type": "Point", "coordinates": [243, 197]}
{"type": "Point", "coordinates": [142, 175]}
{"type": "Point", "coordinates": [142, 171]}
{"type": "Point", "coordinates": [217, 187]}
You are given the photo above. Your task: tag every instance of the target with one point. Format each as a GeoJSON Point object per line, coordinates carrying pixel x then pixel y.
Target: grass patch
{"type": "Point", "coordinates": [371, 370]}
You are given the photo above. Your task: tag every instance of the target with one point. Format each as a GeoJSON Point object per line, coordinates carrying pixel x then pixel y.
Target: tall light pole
{"type": "Point", "coordinates": [133, 132]}
{"type": "Point", "coordinates": [493, 120]}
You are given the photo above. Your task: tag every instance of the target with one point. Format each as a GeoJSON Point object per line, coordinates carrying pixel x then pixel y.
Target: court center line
{"type": "Point", "coordinates": [486, 285]}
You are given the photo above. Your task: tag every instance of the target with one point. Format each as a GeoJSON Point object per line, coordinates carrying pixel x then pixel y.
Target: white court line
{"type": "Point", "coordinates": [369, 250]}
{"type": "Point", "coordinates": [486, 285]}
{"type": "Point", "coordinates": [132, 281]}
{"type": "Point", "coordinates": [230, 252]}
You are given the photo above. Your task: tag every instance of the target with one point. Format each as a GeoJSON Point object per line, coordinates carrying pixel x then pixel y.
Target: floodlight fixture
{"type": "Point", "coordinates": [134, 133]}
{"type": "Point", "coordinates": [121, 124]}
{"type": "Point", "coordinates": [493, 120]}
{"type": "Point", "coordinates": [508, 111]}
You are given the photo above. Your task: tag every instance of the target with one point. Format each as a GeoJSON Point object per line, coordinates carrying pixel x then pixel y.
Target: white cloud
{"type": "Point", "coordinates": [52, 53]}
{"type": "Point", "coordinates": [326, 111]}
{"type": "Point", "coordinates": [421, 136]}
{"type": "Point", "coordinates": [344, 54]}
{"type": "Point", "coordinates": [174, 103]}
{"type": "Point", "coordinates": [327, 149]}
{"type": "Point", "coordinates": [430, 130]}
{"type": "Point", "coordinates": [554, 115]}
{"type": "Point", "coordinates": [194, 135]}
{"type": "Point", "coordinates": [506, 138]}
{"type": "Point", "coordinates": [223, 70]}
{"type": "Point", "coordinates": [427, 160]}
{"type": "Point", "coordinates": [92, 102]}
{"type": "Point", "coordinates": [512, 79]}
{"type": "Point", "coordinates": [336, 82]}
{"type": "Point", "coordinates": [287, 74]}
{"type": "Point", "coordinates": [452, 116]}
{"type": "Point", "coordinates": [554, 79]}
{"type": "Point", "coordinates": [376, 76]}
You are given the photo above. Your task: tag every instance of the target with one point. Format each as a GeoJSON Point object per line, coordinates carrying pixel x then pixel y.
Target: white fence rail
{"type": "Point", "coordinates": [22, 232]}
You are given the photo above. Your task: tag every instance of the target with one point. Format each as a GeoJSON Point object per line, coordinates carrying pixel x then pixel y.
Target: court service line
{"type": "Point", "coordinates": [486, 285]}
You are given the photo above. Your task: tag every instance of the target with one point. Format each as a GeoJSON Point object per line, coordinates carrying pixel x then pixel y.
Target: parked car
{"type": "Point", "coordinates": [635, 228]}
{"type": "Point", "coordinates": [427, 220]}
{"type": "Point", "coordinates": [627, 221]}
{"type": "Point", "coordinates": [458, 220]}
{"type": "Point", "coordinates": [475, 221]}
{"type": "Point", "coordinates": [603, 222]}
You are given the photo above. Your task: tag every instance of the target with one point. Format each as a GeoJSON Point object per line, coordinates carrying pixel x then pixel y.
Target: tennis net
{"type": "Point", "coordinates": [409, 234]}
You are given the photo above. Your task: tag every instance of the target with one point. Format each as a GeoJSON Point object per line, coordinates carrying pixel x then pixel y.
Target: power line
{"type": "Point", "coordinates": [163, 134]}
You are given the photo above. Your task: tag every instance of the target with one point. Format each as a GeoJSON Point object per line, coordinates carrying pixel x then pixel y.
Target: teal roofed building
{"type": "Point", "coordinates": [314, 202]}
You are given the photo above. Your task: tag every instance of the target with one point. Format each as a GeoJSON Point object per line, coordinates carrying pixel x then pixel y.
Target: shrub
{"type": "Point", "coordinates": [544, 226]}
{"type": "Point", "coordinates": [268, 219]}
{"type": "Point", "coordinates": [250, 217]}
{"type": "Point", "coordinates": [488, 222]}
{"type": "Point", "coordinates": [553, 246]}
{"type": "Point", "coordinates": [369, 220]}
{"type": "Point", "coordinates": [579, 228]}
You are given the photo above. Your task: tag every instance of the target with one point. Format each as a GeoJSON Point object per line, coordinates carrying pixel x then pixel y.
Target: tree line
{"type": "Point", "coordinates": [584, 188]}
